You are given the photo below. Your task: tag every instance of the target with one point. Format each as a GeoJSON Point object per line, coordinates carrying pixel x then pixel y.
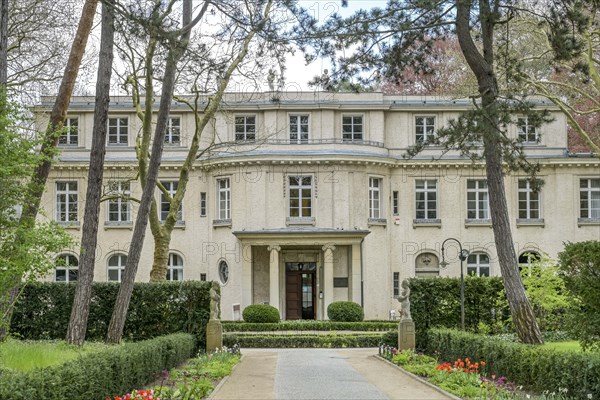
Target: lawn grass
{"type": "Point", "coordinates": [564, 346]}
{"type": "Point", "coordinates": [24, 356]}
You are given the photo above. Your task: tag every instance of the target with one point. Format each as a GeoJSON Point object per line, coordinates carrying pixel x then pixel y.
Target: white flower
{"type": "Point", "coordinates": [528, 396]}
{"type": "Point", "coordinates": [589, 396]}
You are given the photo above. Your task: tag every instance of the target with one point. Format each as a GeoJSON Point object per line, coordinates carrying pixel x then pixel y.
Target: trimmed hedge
{"type": "Point", "coordinates": [302, 341]}
{"type": "Point", "coordinates": [345, 311]}
{"type": "Point", "coordinates": [536, 367]}
{"type": "Point", "coordinates": [260, 314]}
{"type": "Point", "coordinates": [102, 374]}
{"type": "Point", "coordinates": [367, 326]}
{"type": "Point", "coordinates": [44, 308]}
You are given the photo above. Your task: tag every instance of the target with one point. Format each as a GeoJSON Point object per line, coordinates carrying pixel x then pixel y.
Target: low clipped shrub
{"type": "Point", "coordinates": [390, 338]}
{"type": "Point", "coordinates": [260, 313]}
{"type": "Point", "coordinates": [536, 367]}
{"type": "Point", "coordinates": [302, 341]}
{"type": "Point", "coordinates": [345, 311]}
{"type": "Point", "coordinates": [101, 374]}
{"type": "Point", "coordinates": [307, 325]}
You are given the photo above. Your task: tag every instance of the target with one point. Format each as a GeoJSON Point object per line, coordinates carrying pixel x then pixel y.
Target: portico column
{"type": "Point", "coordinates": [327, 277]}
{"type": "Point", "coordinates": [356, 274]}
{"type": "Point", "coordinates": [274, 275]}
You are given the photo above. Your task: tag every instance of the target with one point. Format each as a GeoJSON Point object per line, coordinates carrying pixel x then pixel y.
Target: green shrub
{"type": "Point", "coordinates": [98, 375]}
{"type": "Point", "coordinates": [345, 311]}
{"type": "Point", "coordinates": [302, 341]}
{"type": "Point", "coordinates": [536, 367]}
{"type": "Point", "coordinates": [390, 338]}
{"type": "Point", "coordinates": [366, 326]}
{"type": "Point", "coordinates": [260, 313]}
{"type": "Point", "coordinates": [580, 269]}
{"type": "Point", "coordinates": [44, 308]}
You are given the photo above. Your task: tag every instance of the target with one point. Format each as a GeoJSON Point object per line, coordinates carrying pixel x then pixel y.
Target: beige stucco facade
{"type": "Point", "coordinates": [353, 244]}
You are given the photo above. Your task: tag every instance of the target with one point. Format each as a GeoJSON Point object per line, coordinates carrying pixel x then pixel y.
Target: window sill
{"type": "Point", "coordinates": [69, 146]}
{"type": "Point", "coordinates": [427, 223]}
{"type": "Point", "coordinates": [587, 221]}
{"type": "Point", "coordinates": [300, 221]}
{"type": "Point", "coordinates": [221, 222]}
{"type": "Point", "coordinates": [69, 225]}
{"type": "Point", "coordinates": [478, 222]}
{"type": "Point", "coordinates": [530, 222]}
{"type": "Point", "coordinates": [118, 225]}
{"type": "Point", "coordinates": [178, 224]}
{"type": "Point", "coordinates": [377, 221]}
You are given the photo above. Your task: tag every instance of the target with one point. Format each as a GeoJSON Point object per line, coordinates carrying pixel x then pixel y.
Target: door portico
{"type": "Point", "coordinates": [273, 269]}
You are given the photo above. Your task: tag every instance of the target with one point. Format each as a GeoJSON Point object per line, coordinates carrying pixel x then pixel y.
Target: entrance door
{"type": "Point", "coordinates": [300, 282]}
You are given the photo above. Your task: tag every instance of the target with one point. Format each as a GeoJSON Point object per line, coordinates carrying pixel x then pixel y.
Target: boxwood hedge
{"type": "Point", "coordinates": [44, 308]}
{"type": "Point", "coordinates": [304, 340]}
{"type": "Point", "coordinates": [98, 375]}
{"type": "Point", "coordinates": [536, 367]}
{"type": "Point", "coordinates": [366, 326]}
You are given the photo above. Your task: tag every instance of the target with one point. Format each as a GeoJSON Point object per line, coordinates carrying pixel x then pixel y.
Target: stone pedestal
{"type": "Point", "coordinates": [406, 335]}
{"type": "Point", "coordinates": [214, 335]}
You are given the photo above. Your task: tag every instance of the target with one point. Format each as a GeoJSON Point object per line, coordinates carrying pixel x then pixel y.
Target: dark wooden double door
{"type": "Point", "coordinates": [300, 290]}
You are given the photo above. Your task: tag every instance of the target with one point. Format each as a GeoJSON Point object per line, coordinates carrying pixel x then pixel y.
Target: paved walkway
{"type": "Point", "coordinates": [349, 374]}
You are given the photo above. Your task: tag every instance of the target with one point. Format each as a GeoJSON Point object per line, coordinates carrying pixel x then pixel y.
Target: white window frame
{"type": "Point", "coordinates": [246, 134]}
{"type": "Point", "coordinates": [122, 202]}
{"type": "Point", "coordinates": [297, 136]}
{"type": "Point", "coordinates": [174, 270]}
{"type": "Point", "coordinates": [296, 192]}
{"type": "Point", "coordinates": [429, 188]}
{"type": "Point", "coordinates": [592, 197]}
{"type": "Point", "coordinates": [120, 267]}
{"type": "Point", "coordinates": [478, 264]}
{"type": "Point", "coordinates": [529, 199]}
{"type": "Point", "coordinates": [122, 131]}
{"type": "Point", "coordinates": [165, 206]}
{"type": "Point", "coordinates": [67, 202]}
{"type": "Point", "coordinates": [354, 134]}
{"type": "Point", "coordinates": [67, 268]}
{"type": "Point", "coordinates": [480, 195]}
{"type": "Point", "coordinates": [428, 129]}
{"type": "Point", "coordinates": [224, 199]}
{"type": "Point", "coordinates": [69, 136]}
{"type": "Point", "coordinates": [526, 133]}
{"type": "Point", "coordinates": [173, 134]}
{"type": "Point", "coordinates": [375, 196]}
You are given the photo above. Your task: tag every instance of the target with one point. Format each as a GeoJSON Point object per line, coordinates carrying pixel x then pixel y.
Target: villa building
{"type": "Point", "coordinates": [310, 198]}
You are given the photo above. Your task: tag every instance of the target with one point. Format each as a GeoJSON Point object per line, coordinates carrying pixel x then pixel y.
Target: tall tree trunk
{"type": "Point", "coordinates": [35, 187]}
{"type": "Point", "coordinates": [161, 256]}
{"type": "Point", "coordinates": [483, 68]}
{"type": "Point", "coordinates": [3, 45]}
{"type": "Point", "coordinates": [117, 322]}
{"type": "Point", "coordinates": [83, 293]}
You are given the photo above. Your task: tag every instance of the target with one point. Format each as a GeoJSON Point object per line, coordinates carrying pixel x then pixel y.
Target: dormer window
{"type": "Point", "coordinates": [70, 133]}
{"type": "Point", "coordinates": [527, 133]}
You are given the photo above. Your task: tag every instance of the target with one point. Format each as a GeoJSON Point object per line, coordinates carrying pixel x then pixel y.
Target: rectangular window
{"type": "Point", "coordinates": [119, 205]}
{"type": "Point", "coordinates": [165, 203]}
{"type": "Point", "coordinates": [425, 129]}
{"type": "Point", "coordinates": [299, 128]}
{"type": "Point", "coordinates": [527, 133]}
{"type": "Point", "coordinates": [396, 284]}
{"type": "Point", "coordinates": [203, 204]}
{"type": "Point", "coordinates": [352, 128]}
{"type": "Point", "coordinates": [426, 199]}
{"type": "Point", "coordinates": [300, 195]}
{"type": "Point", "coordinates": [374, 198]}
{"type": "Point", "coordinates": [70, 133]}
{"type": "Point", "coordinates": [589, 198]}
{"type": "Point", "coordinates": [395, 203]}
{"type": "Point", "coordinates": [478, 206]}
{"type": "Point", "coordinates": [66, 201]}
{"type": "Point", "coordinates": [224, 199]}
{"type": "Point", "coordinates": [118, 131]}
{"type": "Point", "coordinates": [173, 134]}
{"type": "Point", "coordinates": [203, 277]}
{"type": "Point", "coordinates": [245, 128]}
{"type": "Point", "coordinates": [529, 201]}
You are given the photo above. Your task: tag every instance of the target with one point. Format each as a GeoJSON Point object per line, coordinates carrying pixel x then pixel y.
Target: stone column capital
{"type": "Point", "coordinates": [274, 247]}
{"type": "Point", "coordinates": [329, 247]}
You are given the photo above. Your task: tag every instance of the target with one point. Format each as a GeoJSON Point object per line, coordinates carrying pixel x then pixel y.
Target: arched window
{"type": "Point", "coordinates": [478, 264]}
{"type": "Point", "coordinates": [67, 268]}
{"type": "Point", "coordinates": [116, 267]}
{"type": "Point", "coordinates": [223, 272]}
{"type": "Point", "coordinates": [175, 268]}
{"type": "Point", "coordinates": [528, 257]}
{"type": "Point", "coordinates": [427, 265]}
